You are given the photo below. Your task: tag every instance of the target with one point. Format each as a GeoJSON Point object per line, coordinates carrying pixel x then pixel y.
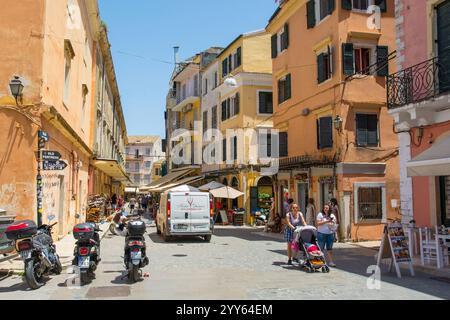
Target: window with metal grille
{"type": "Point", "coordinates": [370, 204]}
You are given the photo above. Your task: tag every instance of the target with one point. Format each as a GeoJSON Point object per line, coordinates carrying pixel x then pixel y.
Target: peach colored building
{"type": "Point", "coordinates": [419, 100]}
{"type": "Point", "coordinates": [330, 62]}
{"type": "Point", "coordinates": [51, 51]}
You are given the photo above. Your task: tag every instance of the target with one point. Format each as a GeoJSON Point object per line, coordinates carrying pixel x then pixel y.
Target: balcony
{"type": "Point", "coordinates": [424, 81]}
{"type": "Point", "coordinates": [186, 104]}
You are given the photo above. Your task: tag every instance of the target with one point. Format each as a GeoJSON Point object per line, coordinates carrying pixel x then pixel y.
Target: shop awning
{"type": "Point", "coordinates": [433, 162]}
{"type": "Point", "coordinates": [131, 190]}
{"type": "Point", "coordinates": [172, 177]}
{"type": "Point", "coordinates": [181, 182]}
{"type": "Point", "coordinates": [112, 168]}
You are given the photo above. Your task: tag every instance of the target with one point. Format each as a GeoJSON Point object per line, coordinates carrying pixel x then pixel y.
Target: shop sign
{"type": "Point", "coordinates": [302, 177]}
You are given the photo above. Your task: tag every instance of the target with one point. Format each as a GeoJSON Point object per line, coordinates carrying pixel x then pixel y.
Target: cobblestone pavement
{"type": "Point", "coordinates": [237, 264]}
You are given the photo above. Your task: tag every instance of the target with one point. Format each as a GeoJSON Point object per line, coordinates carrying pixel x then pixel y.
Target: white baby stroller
{"type": "Point", "coordinates": [308, 250]}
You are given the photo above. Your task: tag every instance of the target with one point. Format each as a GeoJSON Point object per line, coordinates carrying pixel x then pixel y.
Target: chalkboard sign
{"type": "Point", "coordinates": [223, 215]}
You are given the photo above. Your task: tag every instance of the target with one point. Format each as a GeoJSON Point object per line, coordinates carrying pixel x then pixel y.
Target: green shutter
{"type": "Point", "coordinates": [224, 67]}
{"type": "Point", "coordinates": [283, 144]}
{"type": "Point", "coordinates": [326, 132]}
{"type": "Point", "coordinates": [288, 87]}
{"type": "Point", "coordinates": [286, 35]}
{"type": "Point", "coordinates": [280, 93]}
{"type": "Point", "coordinates": [269, 103]}
{"type": "Point", "coordinates": [318, 133]}
{"type": "Point", "coordinates": [228, 108]}
{"type": "Point", "coordinates": [235, 148]}
{"type": "Point", "coordinates": [382, 4]}
{"type": "Point", "coordinates": [348, 59]}
{"type": "Point", "coordinates": [361, 130]}
{"type": "Point", "coordinates": [262, 102]}
{"type": "Point", "coordinates": [230, 63]}
{"type": "Point", "coordinates": [224, 149]}
{"type": "Point", "coordinates": [320, 66]}
{"type": "Point", "coordinates": [237, 103]}
{"type": "Point", "coordinates": [239, 57]}
{"type": "Point", "coordinates": [382, 61]}
{"type": "Point", "coordinates": [311, 14]}
{"type": "Point", "coordinates": [372, 130]}
{"type": "Point", "coordinates": [274, 46]}
{"type": "Point", "coordinates": [224, 110]}
{"type": "Point", "coordinates": [347, 4]}
{"type": "Point", "coordinates": [331, 6]}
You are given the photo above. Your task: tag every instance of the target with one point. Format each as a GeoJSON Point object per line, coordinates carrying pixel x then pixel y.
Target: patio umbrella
{"type": "Point", "coordinates": [211, 186]}
{"type": "Point", "coordinates": [226, 193]}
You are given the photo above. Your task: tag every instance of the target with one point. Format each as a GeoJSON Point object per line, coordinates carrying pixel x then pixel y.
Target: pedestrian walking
{"type": "Point", "coordinates": [311, 213]}
{"type": "Point", "coordinates": [326, 227]}
{"type": "Point", "coordinates": [294, 219]}
{"type": "Point", "coordinates": [334, 208]}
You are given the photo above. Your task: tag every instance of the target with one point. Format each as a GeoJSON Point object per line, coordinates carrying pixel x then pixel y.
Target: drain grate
{"type": "Point", "coordinates": [108, 292]}
{"type": "Point", "coordinates": [441, 279]}
{"type": "Point", "coordinates": [180, 255]}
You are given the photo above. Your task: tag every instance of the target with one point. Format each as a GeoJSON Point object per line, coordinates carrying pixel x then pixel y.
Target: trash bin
{"type": "Point", "coordinates": [6, 245]}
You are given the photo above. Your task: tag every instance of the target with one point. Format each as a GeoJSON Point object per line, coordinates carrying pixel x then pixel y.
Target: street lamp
{"type": "Point", "coordinates": [338, 123]}
{"type": "Point", "coordinates": [16, 87]}
{"type": "Point", "coordinates": [230, 81]}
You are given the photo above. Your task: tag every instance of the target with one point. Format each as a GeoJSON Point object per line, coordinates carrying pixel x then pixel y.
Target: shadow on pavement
{"type": "Point", "coordinates": [245, 234]}
{"type": "Point", "coordinates": [180, 240]}
{"type": "Point", "coordinates": [357, 260]}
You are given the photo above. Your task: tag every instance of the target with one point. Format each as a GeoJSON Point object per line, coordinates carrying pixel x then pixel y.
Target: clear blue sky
{"type": "Point", "coordinates": [143, 32]}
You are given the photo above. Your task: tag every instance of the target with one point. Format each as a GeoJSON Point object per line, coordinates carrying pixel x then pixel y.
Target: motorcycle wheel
{"type": "Point", "coordinates": [58, 267]}
{"type": "Point", "coordinates": [84, 278]}
{"type": "Point", "coordinates": [133, 274]}
{"type": "Point", "coordinates": [32, 276]}
{"type": "Point", "coordinates": [208, 238]}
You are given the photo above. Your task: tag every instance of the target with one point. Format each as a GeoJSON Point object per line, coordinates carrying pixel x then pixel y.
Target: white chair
{"type": "Point", "coordinates": [428, 245]}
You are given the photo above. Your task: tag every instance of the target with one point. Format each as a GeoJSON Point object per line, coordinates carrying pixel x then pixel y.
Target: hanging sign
{"type": "Point", "coordinates": [395, 246]}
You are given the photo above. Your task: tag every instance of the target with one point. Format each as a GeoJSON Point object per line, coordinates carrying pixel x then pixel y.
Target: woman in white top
{"type": "Point", "coordinates": [326, 227]}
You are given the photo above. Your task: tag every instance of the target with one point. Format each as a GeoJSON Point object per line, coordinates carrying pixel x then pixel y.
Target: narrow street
{"type": "Point", "coordinates": [237, 264]}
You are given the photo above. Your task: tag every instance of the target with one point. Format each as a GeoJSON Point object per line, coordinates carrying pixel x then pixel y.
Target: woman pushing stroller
{"type": "Point", "coordinates": [294, 219]}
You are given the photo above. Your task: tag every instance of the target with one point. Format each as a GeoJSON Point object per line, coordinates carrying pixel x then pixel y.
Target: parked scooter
{"type": "Point", "coordinates": [135, 256]}
{"type": "Point", "coordinates": [87, 250]}
{"type": "Point", "coordinates": [35, 246]}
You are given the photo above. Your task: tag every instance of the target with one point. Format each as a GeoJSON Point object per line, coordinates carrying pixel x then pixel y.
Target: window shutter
{"type": "Point", "coordinates": [311, 14]}
{"type": "Point", "coordinates": [224, 150]}
{"type": "Point", "coordinates": [224, 110]}
{"type": "Point", "coordinates": [230, 63]}
{"type": "Point", "coordinates": [235, 148]}
{"type": "Point", "coordinates": [274, 46]}
{"type": "Point", "coordinates": [318, 133]}
{"type": "Point", "coordinates": [288, 87]}
{"type": "Point", "coordinates": [262, 146]}
{"type": "Point", "coordinates": [280, 93]}
{"type": "Point", "coordinates": [348, 58]}
{"type": "Point", "coordinates": [262, 103]}
{"type": "Point", "coordinates": [228, 108]}
{"type": "Point", "coordinates": [239, 57]}
{"type": "Point", "coordinates": [283, 144]}
{"type": "Point", "coordinates": [269, 103]}
{"type": "Point", "coordinates": [326, 132]}
{"type": "Point", "coordinates": [382, 61]}
{"type": "Point", "coordinates": [347, 4]}
{"type": "Point", "coordinates": [237, 103]}
{"type": "Point", "coordinates": [286, 36]}
{"type": "Point", "coordinates": [320, 71]}
{"type": "Point", "coordinates": [331, 6]}
{"type": "Point", "coordinates": [361, 130]}
{"type": "Point", "coordinates": [382, 4]}
{"type": "Point", "coordinates": [224, 67]}
{"type": "Point", "coordinates": [372, 130]}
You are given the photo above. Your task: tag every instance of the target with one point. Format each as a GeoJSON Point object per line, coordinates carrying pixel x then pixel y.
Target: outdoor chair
{"type": "Point", "coordinates": [428, 245]}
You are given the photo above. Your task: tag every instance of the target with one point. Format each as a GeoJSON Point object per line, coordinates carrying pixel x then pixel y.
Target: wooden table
{"type": "Point", "coordinates": [440, 258]}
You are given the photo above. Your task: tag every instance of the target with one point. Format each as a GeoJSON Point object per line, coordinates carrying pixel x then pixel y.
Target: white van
{"type": "Point", "coordinates": [185, 213]}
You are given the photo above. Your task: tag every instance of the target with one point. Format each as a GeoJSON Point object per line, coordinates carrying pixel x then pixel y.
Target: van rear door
{"type": "Point", "coordinates": [180, 213]}
{"type": "Point", "coordinates": [200, 212]}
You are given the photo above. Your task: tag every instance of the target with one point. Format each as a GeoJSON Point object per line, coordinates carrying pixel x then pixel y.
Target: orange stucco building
{"type": "Point", "coordinates": [52, 52]}
{"type": "Point", "coordinates": [330, 62]}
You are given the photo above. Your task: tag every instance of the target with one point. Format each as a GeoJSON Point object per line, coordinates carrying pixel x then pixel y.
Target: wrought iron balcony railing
{"type": "Point", "coordinates": [418, 83]}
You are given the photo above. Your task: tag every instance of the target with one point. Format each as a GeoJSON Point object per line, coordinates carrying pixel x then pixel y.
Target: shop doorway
{"type": "Point", "coordinates": [235, 185]}
{"type": "Point", "coordinates": [445, 200]}
{"type": "Point", "coordinates": [303, 196]}
{"type": "Point", "coordinates": [265, 195]}
{"type": "Point", "coordinates": [326, 193]}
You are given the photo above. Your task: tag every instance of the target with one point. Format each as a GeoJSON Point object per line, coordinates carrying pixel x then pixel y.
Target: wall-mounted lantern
{"type": "Point", "coordinates": [16, 87]}
{"type": "Point", "coordinates": [338, 123]}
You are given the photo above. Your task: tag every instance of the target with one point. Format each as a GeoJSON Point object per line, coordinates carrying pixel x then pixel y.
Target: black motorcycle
{"type": "Point", "coordinates": [135, 256]}
{"type": "Point", "coordinates": [37, 250]}
{"type": "Point", "coordinates": [87, 250]}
